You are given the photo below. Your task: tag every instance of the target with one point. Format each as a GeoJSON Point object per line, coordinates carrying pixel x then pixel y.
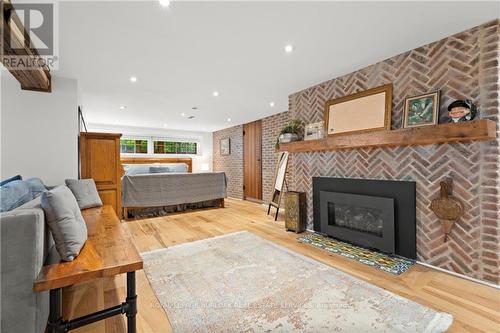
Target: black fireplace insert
{"type": "Point", "coordinates": [377, 214]}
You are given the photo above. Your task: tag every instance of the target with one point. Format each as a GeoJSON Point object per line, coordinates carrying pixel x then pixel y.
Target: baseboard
{"type": "Point", "coordinates": [462, 276]}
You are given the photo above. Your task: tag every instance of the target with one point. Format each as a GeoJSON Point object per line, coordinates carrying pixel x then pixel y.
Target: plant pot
{"type": "Point", "coordinates": [288, 137]}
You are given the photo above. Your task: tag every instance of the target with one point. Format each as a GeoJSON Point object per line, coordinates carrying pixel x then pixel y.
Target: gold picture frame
{"type": "Point", "coordinates": [369, 110]}
{"type": "Point", "coordinates": [421, 110]}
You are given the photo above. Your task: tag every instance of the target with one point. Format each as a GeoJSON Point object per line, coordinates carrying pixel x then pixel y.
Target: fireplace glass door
{"type": "Point", "coordinates": [359, 219]}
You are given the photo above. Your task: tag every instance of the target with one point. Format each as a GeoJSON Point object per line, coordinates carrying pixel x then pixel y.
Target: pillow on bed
{"type": "Point", "coordinates": [136, 169]}
{"type": "Point", "coordinates": [159, 169]}
{"type": "Point", "coordinates": [176, 167]}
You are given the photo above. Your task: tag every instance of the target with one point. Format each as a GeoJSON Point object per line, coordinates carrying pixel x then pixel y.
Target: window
{"type": "Point", "coordinates": [175, 147]}
{"type": "Point", "coordinates": [131, 146]}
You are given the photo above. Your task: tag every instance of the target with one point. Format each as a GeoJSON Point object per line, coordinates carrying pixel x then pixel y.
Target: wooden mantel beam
{"type": "Point", "coordinates": [13, 44]}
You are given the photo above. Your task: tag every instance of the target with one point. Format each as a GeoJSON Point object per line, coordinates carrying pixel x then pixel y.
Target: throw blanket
{"type": "Point", "coordinates": [165, 189]}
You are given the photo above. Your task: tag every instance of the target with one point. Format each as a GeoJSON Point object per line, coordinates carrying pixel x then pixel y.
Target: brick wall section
{"type": "Point", "coordinates": [461, 66]}
{"type": "Point", "coordinates": [232, 164]}
{"type": "Point", "coordinates": [271, 126]}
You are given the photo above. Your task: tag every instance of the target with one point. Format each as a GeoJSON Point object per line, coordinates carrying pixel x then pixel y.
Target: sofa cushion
{"type": "Point", "coordinates": [14, 194]}
{"type": "Point", "coordinates": [11, 179]}
{"type": "Point", "coordinates": [65, 221]}
{"type": "Point", "coordinates": [85, 192]}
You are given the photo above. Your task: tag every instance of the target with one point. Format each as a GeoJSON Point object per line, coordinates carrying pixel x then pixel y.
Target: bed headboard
{"type": "Point", "coordinates": [151, 160]}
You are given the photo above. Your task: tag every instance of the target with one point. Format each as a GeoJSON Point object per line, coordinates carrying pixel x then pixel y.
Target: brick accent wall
{"type": "Point", "coordinates": [271, 126]}
{"type": "Point", "coordinates": [231, 164]}
{"type": "Point", "coordinates": [461, 66]}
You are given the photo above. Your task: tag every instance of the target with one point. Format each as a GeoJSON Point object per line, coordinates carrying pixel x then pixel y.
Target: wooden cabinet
{"type": "Point", "coordinates": [100, 160]}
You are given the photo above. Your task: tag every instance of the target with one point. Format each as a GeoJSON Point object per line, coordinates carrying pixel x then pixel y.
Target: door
{"type": "Point", "coordinates": [252, 161]}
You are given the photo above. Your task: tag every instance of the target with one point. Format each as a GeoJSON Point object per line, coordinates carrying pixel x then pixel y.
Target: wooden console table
{"type": "Point", "coordinates": [109, 251]}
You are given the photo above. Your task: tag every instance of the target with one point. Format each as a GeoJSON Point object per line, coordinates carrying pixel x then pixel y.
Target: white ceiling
{"type": "Point", "coordinates": [183, 53]}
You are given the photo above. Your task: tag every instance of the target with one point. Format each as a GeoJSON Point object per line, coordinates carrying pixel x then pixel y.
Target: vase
{"type": "Point", "coordinates": [288, 137]}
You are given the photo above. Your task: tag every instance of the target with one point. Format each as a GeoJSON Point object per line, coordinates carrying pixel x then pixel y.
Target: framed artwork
{"type": "Point", "coordinates": [368, 110]}
{"type": "Point", "coordinates": [225, 146]}
{"type": "Point", "coordinates": [314, 131]}
{"type": "Point", "coordinates": [421, 110]}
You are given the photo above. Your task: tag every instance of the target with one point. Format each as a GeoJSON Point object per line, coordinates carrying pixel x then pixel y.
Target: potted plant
{"type": "Point", "coordinates": [291, 132]}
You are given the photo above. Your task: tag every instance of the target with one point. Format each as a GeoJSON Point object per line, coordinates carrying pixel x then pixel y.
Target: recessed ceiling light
{"type": "Point", "coordinates": [271, 104]}
{"type": "Point", "coordinates": [215, 93]}
{"type": "Point", "coordinates": [123, 107]}
{"type": "Point", "coordinates": [229, 119]}
{"type": "Point", "coordinates": [133, 79]}
{"type": "Point", "coordinates": [164, 3]}
{"type": "Point", "coordinates": [164, 125]}
{"type": "Point", "coordinates": [288, 48]}
{"type": "Point", "coordinates": [183, 114]}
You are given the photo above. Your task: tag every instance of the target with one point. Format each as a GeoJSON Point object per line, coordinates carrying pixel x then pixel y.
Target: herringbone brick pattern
{"type": "Point", "coordinates": [461, 66]}
{"type": "Point", "coordinates": [271, 126]}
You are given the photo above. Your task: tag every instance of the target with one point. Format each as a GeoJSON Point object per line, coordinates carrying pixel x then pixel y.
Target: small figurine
{"type": "Point", "coordinates": [462, 110]}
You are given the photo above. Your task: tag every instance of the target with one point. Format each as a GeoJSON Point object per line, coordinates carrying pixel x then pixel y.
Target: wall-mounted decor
{"type": "Point", "coordinates": [421, 110]}
{"type": "Point", "coordinates": [225, 146]}
{"type": "Point", "coordinates": [314, 131]}
{"type": "Point", "coordinates": [368, 110]}
{"type": "Point", "coordinates": [462, 110]}
{"type": "Point", "coordinates": [447, 208]}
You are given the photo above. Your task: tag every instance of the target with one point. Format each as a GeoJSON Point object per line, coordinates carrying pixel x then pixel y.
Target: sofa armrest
{"type": "Point", "coordinates": [22, 243]}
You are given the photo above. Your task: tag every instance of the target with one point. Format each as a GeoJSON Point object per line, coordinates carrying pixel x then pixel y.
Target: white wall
{"type": "Point", "coordinates": [205, 147]}
{"type": "Point", "coordinates": [39, 131]}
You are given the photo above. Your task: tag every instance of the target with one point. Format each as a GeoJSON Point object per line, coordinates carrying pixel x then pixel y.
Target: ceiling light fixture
{"type": "Point", "coordinates": [271, 104]}
{"type": "Point", "coordinates": [288, 48]}
{"type": "Point", "coordinates": [164, 125]}
{"type": "Point", "coordinates": [123, 107]}
{"type": "Point", "coordinates": [229, 119]}
{"type": "Point", "coordinates": [164, 3]}
{"type": "Point", "coordinates": [183, 114]}
{"type": "Point", "coordinates": [215, 93]}
{"type": "Point", "coordinates": [133, 79]}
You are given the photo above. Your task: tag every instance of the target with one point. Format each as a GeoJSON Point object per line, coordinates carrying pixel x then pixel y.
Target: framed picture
{"type": "Point", "coordinates": [368, 110]}
{"type": "Point", "coordinates": [225, 146]}
{"type": "Point", "coordinates": [314, 131]}
{"type": "Point", "coordinates": [421, 110]}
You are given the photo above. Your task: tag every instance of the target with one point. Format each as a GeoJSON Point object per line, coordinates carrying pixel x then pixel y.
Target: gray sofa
{"type": "Point", "coordinates": [25, 247]}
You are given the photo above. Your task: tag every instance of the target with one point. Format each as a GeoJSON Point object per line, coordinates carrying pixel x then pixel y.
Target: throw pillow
{"type": "Point", "coordinates": [85, 192]}
{"type": "Point", "coordinates": [65, 221]}
{"type": "Point", "coordinates": [36, 186]}
{"type": "Point", "coordinates": [11, 179]}
{"type": "Point", "coordinates": [14, 194]}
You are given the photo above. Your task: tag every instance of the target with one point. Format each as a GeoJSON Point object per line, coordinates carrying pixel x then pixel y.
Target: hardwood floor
{"type": "Point", "coordinates": [475, 307]}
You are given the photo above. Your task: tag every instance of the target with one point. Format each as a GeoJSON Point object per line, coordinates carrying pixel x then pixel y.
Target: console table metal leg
{"type": "Point", "coordinates": [131, 303]}
{"type": "Point", "coordinates": [55, 323]}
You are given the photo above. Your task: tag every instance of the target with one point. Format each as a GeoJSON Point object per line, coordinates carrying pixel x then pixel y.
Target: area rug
{"type": "Point", "coordinates": [392, 264]}
{"type": "Point", "coordinates": [242, 283]}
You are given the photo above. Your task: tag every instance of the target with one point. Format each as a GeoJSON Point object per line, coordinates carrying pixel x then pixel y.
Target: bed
{"type": "Point", "coordinates": [154, 186]}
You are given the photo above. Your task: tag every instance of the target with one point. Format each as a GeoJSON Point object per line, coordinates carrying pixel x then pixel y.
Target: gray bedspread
{"type": "Point", "coordinates": [165, 189]}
